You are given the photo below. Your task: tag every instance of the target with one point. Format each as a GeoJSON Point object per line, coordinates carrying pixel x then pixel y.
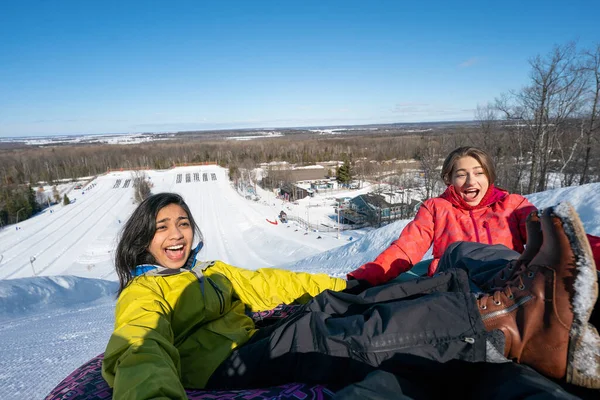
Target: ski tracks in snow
{"type": "Point", "coordinates": [62, 232]}
{"type": "Point", "coordinates": [69, 337]}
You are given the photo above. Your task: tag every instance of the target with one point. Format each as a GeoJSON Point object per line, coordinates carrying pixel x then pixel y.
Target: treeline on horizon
{"type": "Point", "coordinates": [549, 127]}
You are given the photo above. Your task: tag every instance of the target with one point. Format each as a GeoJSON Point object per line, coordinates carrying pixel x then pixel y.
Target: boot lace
{"type": "Point", "coordinates": [513, 285]}
{"type": "Point", "coordinates": [505, 273]}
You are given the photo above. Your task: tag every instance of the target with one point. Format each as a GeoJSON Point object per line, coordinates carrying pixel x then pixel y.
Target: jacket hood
{"type": "Point", "coordinates": [492, 195]}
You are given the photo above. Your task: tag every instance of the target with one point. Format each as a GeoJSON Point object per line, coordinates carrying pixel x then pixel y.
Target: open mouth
{"type": "Point", "coordinates": [471, 194]}
{"type": "Point", "coordinates": [175, 253]}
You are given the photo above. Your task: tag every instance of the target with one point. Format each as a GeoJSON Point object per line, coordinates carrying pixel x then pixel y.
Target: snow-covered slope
{"type": "Point", "coordinates": [52, 324]}
{"type": "Point", "coordinates": [79, 239]}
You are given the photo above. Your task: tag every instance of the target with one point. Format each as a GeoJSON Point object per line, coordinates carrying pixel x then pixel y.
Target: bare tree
{"type": "Point", "coordinates": [141, 186]}
{"type": "Point", "coordinates": [592, 128]}
{"type": "Point", "coordinates": [362, 168]}
{"type": "Point", "coordinates": [40, 197]}
{"type": "Point", "coordinates": [55, 194]}
{"type": "Point", "coordinates": [429, 160]}
{"type": "Point", "coordinates": [514, 153]}
{"type": "Point", "coordinates": [553, 96]}
{"type": "Point", "coordinates": [488, 122]}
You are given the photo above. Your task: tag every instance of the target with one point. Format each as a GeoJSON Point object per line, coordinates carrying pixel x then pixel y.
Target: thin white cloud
{"type": "Point", "coordinates": [469, 63]}
{"type": "Point", "coordinates": [423, 112]}
{"type": "Point", "coordinates": [411, 104]}
{"type": "Point", "coordinates": [410, 107]}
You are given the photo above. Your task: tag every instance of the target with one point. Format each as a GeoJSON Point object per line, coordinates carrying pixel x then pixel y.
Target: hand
{"type": "Point", "coordinates": [356, 286]}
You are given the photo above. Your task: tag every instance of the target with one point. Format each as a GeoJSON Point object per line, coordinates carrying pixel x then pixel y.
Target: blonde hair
{"type": "Point", "coordinates": [481, 156]}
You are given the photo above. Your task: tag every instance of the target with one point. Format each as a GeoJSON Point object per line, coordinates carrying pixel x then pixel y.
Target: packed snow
{"type": "Point", "coordinates": [57, 287]}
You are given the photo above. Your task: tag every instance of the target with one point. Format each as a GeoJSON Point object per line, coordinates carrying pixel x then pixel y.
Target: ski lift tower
{"type": "Point", "coordinates": [338, 219]}
{"type": "Point", "coordinates": [18, 214]}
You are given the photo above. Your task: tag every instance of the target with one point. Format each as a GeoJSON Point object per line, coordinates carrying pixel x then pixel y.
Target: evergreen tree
{"type": "Point", "coordinates": [66, 200]}
{"type": "Point", "coordinates": [3, 218]}
{"type": "Point", "coordinates": [34, 206]}
{"type": "Point", "coordinates": [344, 174]}
{"type": "Point", "coordinates": [15, 202]}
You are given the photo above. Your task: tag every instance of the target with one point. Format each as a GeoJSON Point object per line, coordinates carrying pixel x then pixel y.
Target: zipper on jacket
{"type": "Point", "coordinates": [219, 295]}
{"type": "Point", "coordinates": [486, 225]}
{"type": "Point", "coordinates": [474, 226]}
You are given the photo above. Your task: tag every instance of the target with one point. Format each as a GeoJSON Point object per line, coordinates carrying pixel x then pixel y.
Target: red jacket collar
{"type": "Point", "coordinates": [492, 195]}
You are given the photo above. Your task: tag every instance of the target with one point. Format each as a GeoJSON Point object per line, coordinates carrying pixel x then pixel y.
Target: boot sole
{"type": "Point", "coordinates": [583, 359]}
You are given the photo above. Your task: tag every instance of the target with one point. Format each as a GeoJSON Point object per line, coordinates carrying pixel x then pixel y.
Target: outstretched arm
{"type": "Point", "coordinates": [403, 253]}
{"type": "Point", "coordinates": [266, 288]}
{"type": "Point", "coordinates": [140, 361]}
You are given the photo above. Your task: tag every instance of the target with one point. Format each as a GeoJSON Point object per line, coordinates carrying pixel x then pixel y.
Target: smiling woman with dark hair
{"type": "Point", "coordinates": [177, 319]}
{"type": "Point", "coordinates": [142, 228]}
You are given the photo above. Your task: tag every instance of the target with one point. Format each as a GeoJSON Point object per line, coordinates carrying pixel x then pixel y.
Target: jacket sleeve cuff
{"type": "Point", "coordinates": [370, 272]}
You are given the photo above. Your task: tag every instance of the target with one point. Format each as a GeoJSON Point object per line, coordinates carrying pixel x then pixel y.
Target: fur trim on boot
{"type": "Point", "coordinates": [583, 364]}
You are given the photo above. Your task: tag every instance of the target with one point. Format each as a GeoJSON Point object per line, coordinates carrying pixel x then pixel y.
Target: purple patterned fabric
{"type": "Point", "coordinates": [86, 383]}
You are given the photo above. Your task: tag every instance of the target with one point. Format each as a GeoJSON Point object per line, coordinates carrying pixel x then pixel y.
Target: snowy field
{"type": "Point", "coordinates": [57, 280]}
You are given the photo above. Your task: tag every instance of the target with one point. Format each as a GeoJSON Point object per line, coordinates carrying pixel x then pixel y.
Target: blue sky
{"type": "Point", "coordinates": [87, 67]}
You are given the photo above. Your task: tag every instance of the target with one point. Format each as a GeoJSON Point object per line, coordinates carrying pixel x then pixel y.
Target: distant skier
{"type": "Point", "coordinates": [283, 217]}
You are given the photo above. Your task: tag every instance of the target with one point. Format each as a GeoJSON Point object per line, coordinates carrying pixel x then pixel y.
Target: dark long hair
{"type": "Point", "coordinates": [138, 232]}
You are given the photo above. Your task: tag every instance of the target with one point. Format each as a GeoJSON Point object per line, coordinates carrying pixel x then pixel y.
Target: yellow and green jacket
{"type": "Point", "coordinates": [174, 327]}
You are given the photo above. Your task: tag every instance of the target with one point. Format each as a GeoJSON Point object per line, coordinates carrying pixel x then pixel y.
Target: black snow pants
{"type": "Point", "coordinates": [419, 339]}
{"type": "Point", "coordinates": [411, 328]}
{"type": "Point", "coordinates": [480, 261]}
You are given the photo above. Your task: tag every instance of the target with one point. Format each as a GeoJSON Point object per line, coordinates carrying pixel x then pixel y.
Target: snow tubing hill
{"type": "Point", "coordinates": [86, 382]}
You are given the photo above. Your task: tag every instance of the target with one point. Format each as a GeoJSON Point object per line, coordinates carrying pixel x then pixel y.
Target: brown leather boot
{"type": "Point", "coordinates": [544, 310]}
{"type": "Point", "coordinates": [534, 243]}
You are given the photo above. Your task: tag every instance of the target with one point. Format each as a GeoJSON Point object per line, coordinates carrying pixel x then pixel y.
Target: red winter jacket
{"type": "Point", "coordinates": [595, 245]}
{"type": "Point", "coordinates": [498, 219]}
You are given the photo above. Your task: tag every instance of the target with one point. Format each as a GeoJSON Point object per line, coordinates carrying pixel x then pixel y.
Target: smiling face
{"type": "Point", "coordinates": [469, 180]}
{"type": "Point", "coordinates": [172, 241]}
